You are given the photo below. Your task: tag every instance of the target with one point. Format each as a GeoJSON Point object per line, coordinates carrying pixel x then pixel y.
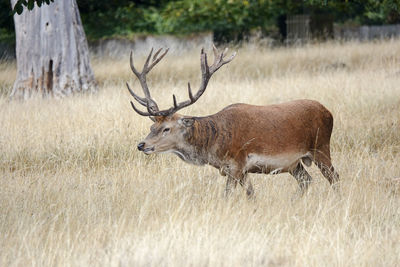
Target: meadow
{"type": "Point", "coordinates": [75, 191]}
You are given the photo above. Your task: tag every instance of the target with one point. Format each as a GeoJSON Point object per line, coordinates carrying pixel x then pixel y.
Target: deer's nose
{"type": "Point", "coordinates": [140, 146]}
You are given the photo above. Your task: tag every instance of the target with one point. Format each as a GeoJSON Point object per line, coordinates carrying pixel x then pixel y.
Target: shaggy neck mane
{"type": "Point", "coordinates": [204, 133]}
{"type": "Point", "coordinates": [200, 138]}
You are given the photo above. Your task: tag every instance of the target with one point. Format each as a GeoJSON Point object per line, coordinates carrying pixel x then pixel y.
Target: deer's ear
{"type": "Point", "coordinates": [187, 122]}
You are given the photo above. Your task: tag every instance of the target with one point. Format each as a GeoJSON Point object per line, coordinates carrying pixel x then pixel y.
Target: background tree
{"type": "Point", "coordinates": [52, 51]}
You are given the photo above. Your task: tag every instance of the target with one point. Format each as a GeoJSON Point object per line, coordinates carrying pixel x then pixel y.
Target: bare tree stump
{"type": "Point", "coordinates": [52, 52]}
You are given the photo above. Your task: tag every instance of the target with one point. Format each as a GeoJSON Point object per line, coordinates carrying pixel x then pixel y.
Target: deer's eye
{"type": "Point", "coordinates": [166, 130]}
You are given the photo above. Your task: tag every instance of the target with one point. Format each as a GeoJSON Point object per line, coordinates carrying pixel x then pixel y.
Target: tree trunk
{"type": "Point", "coordinates": [52, 52]}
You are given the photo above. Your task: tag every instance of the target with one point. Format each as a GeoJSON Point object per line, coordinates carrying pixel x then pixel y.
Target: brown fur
{"type": "Point", "coordinates": [243, 139]}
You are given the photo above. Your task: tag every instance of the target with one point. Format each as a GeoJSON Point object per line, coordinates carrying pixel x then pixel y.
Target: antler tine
{"type": "Point", "coordinates": [175, 104]}
{"type": "Point", "coordinates": [190, 92]}
{"type": "Point", "coordinates": [141, 101]}
{"type": "Point", "coordinates": [156, 60]}
{"type": "Point", "coordinates": [219, 61]}
{"type": "Point", "coordinates": [230, 58]}
{"type": "Point", "coordinates": [138, 111]}
{"type": "Point", "coordinates": [156, 54]}
{"type": "Point", "coordinates": [219, 58]}
{"type": "Point", "coordinates": [225, 51]}
{"type": "Point", "coordinates": [203, 63]}
{"type": "Point", "coordinates": [145, 67]}
{"type": "Point", "coordinates": [132, 66]}
{"type": "Point", "coordinates": [215, 50]}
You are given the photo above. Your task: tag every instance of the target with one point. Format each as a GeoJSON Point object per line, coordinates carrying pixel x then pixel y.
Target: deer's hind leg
{"type": "Point", "coordinates": [322, 158]}
{"type": "Point", "coordinates": [302, 177]}
{"type": "Point", "coordinates": [245, 183]}
{"type": "Point", "coordinates": [235, 175]}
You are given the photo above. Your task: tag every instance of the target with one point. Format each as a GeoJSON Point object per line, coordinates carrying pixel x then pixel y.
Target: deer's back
{"type": "Point", "coordinates": [299, 125]}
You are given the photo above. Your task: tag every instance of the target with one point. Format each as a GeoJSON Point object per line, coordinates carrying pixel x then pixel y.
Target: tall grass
{"type": "Point", "coordinates": [74, 190]}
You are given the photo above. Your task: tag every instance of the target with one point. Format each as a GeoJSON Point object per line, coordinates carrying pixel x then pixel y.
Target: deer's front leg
{"type": "Point", "coordinates": [234, 175]}
{"type": "Point", "coordinates": [231, 182]}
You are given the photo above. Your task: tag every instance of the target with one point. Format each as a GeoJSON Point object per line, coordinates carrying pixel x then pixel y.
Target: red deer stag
{"type": "Point", "coordinates": [241, 138]}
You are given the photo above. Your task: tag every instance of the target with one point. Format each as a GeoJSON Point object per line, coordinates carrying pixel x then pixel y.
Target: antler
{"type": "Point", "coordinates": [148, 102]}
{"type": "Point", "coordinates": [206, 73]}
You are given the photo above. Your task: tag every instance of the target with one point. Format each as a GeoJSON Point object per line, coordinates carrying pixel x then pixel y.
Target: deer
{"type": "Point", "coordinates": [241, 138]}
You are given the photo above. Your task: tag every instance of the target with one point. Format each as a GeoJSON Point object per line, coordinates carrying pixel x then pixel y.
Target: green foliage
{"type": "Point", "coordinates": [230, 19]}
{"type": "Point", "coordinates": [233, 19]}
{"type": "Point", "coordinates": [187, 16]}
{"type": "Point", "coordinates": [110, 18]}
{"type": "Point", "coordinates": [370, 12]}
{"type": "Point", "coordinates": [30, 4]}
{"type": "Point", "coordinates": [382, 11]}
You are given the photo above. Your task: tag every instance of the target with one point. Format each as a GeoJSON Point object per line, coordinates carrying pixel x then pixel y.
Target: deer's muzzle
{"type": "Point", "coordinates": [140, 146]}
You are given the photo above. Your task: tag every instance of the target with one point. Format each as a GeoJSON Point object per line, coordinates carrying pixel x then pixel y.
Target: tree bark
{"type": "Point", "coordinates": [52, 52]}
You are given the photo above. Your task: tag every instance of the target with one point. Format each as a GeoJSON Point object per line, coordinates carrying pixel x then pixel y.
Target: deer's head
{"type": "Point", "coordinates": [170, 129]}
{"type": "Point", "coordinates": [167, 134]}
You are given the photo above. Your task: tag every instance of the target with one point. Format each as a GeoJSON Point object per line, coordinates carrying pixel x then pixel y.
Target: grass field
{"type": "Point", "coordinates": [75, 191]}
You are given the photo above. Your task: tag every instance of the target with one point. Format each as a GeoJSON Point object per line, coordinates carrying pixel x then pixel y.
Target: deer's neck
{"type": "Point", "coordinates": [202, 143]}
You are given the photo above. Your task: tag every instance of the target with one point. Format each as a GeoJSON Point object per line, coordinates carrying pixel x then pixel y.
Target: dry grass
{"type": "Point", "coordinates": [74, 190]}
